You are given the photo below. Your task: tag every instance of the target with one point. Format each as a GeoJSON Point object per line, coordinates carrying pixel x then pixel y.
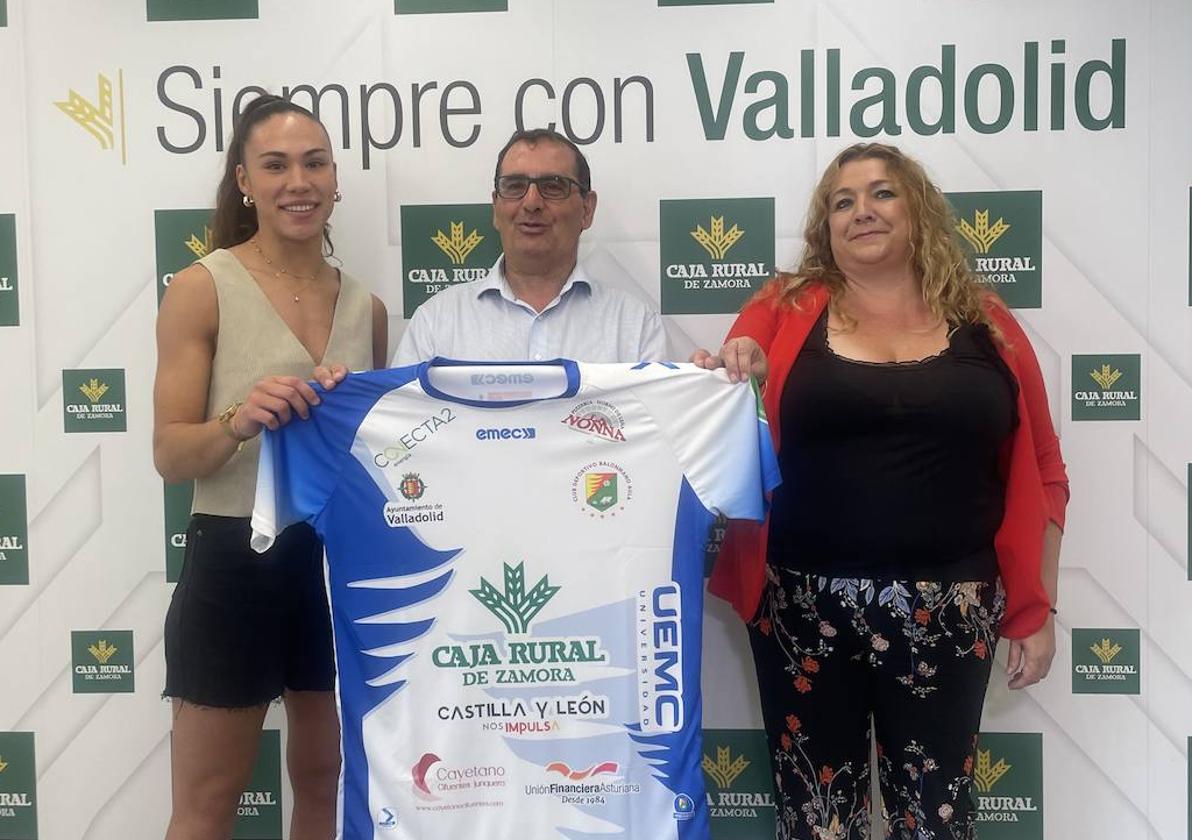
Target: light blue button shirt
{"type": "Point", "coordinates": [483, 320]}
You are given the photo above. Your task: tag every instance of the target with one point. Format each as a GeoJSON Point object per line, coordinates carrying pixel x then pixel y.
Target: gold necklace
{"type": "Point", "coordinates": [279, 270]}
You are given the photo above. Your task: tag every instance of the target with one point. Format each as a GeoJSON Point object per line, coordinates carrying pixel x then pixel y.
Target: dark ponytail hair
{"type": "Point", "coordinates": [232, 223]}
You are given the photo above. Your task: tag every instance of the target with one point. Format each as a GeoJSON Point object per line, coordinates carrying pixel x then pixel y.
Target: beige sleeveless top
{"type": "Point", "coordinates": [253, 342]}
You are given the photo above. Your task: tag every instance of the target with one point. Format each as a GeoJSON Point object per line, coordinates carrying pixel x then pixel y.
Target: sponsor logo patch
{"type": "Point", "coordinates": [1106, 387]}
{"type": "Point", "coordinates": [181, 237]}
{"type": "Point", "coordinates": [102, 661]}
{"type": "Point", "coordinates": [1105, 661]}
{"type": "Point", "coordinates": [1007, 772]}
{"type": "Point", "coordinates": [18, 786]}
{"type": "Point", "coordinates": [715, 252]}
{"type": "Point", "coordinates": [14, 531]}
{"type": "Point", "coordinates": [597, 418]}
{"type": "Point", "coordinates": [161, 10]}
{"type": "Point", "coordinates": [93, 400]}
{"type": "Point", "coordinates": [736, 764]}
{"type": "Point", "coordinates": [1002, 236]}
{"type": "Point", "coordinates": [444, 245]}
{"type": "Point", "coordinates": [436, 7]}
{"type": "Point", "coordinates": [10, 304]}
{"type": "Point", "coordinates": [258, 814]}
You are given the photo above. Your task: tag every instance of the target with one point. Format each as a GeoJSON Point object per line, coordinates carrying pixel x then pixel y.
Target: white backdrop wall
{"type": "Point", "coordinates": [1069, 121]}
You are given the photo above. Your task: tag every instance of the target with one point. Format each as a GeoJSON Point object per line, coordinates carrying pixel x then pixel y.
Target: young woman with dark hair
{"type": "Point", "coordinates": [238, 334]}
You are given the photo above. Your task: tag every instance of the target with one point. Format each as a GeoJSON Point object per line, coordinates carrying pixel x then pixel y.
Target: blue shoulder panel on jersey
{"type": "Point", "coordinates": [676, 757]}
{"type": "Point", "coordinates": [357, 394]}
{"type": "Point", "coordinates": [308, 454]}
{"type": "Point", "coordinates": [383, 582]}
{"type": "Point", "coordinates": [377, 618]}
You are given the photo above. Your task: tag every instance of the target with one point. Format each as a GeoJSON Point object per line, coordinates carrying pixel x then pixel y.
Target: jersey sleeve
{"type": "Point", "coordinates": [719, 433]}
{"type": "Point", "coordinates": [301, 462]}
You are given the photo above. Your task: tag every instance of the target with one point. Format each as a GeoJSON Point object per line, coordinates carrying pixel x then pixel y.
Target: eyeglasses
{"type": "Point", "coordinates": [550, 187]}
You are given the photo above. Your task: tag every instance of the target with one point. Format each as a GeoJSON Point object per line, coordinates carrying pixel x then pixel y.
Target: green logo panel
{"type": "Point", "coordinates": [93, 400]}
{"type": "Point", "coordinates": [178, 499]}
{"type": "Point", "coordinates": [102, 661]}
{"type": "Point", "coordinates": [1106, 386]}
{"type": "Point", "coordinates": [433, 7]}
{"type": "Point", "coordinates": [3, 12]}
{"type": "Point", "coordinates": [444, 244]}
{"type": "Point", "coordinates": [258, 816]}
{"type": "Point", "coordinates": [18, 787]}
{"type": "Point", "coordinates": [14, 531]}
{"type": "Point", "coordinates": [1008, 786]}
{"type": "Point", "coordinates": [200, 9]}
{"type": "Point", "coordinates": [715, 252]}
{"type": "Point", "coordinates": [1002, 235]}
{"type": "Point", "coordinates": [10, 306]}
{"type": "Point", "coordinates": [739, 784]}
{"type": "Point", "coordinates": [1105, 661]}
{"type": "Point", "coordinates": [182, 236]}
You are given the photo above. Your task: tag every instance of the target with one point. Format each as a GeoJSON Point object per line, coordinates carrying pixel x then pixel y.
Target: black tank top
{"type": "Point", "coordinates": [892, 470]}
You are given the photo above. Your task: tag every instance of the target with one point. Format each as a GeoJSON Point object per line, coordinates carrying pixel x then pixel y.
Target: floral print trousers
{"type": "Point", "coordinates": [916, 655]}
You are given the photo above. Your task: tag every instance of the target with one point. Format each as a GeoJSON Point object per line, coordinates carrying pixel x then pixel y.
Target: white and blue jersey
{"type": "Point", "coordinates": [514, 560]}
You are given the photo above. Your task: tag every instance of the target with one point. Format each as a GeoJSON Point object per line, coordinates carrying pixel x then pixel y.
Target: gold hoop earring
{"type": "Point", "coordinates": [247, 199]}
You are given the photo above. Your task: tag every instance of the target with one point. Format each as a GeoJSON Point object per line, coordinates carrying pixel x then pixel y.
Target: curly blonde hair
{"type": "Point", "coordinates": [950, 290]}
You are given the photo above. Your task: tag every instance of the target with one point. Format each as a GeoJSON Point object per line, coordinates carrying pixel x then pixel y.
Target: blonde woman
{"type": "Point", "coordinates": [920, 513]}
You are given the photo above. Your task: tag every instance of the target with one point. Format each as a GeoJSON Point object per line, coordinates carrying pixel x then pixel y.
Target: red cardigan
{"type": "Point", "coordinates": [1036, 481]}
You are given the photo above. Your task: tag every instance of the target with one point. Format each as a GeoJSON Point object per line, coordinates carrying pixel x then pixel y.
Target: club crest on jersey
{"type": "Point", "coordinates": [597, 418]}
{"type": "Point", "coordinates": [412, 487]}
{"type": "Point", "coordinates": [601, 489]}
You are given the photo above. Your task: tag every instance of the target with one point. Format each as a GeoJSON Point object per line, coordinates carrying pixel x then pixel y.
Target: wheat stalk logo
{"type": "Point", "coordinates": [987, 774]}
{"type": "Point", "coordinates": [102, 651]}
{"type": "Point", "coordinates": [979, 234]}
{"type": "Point", "coordinates": [93, 390]}
{"type": "Point", "coordinates": [3, 764]}
{"type": "Point", "coordinates": [725, 769]}
{"type": "Point", "coordinates": [456, 246]}
{"type": "Point", "coordinates": [96, 119]}
{"type": "Point", "coordinates": [1105, 377]}
{"type": "Point", "coordinates": [1106, 650]}
{"type": "Point", "coordinates": [200, 247]}
{"type": "Point", "coordinates": [515, 607]}
{"type": "Point", "coordinates": [719, 241]}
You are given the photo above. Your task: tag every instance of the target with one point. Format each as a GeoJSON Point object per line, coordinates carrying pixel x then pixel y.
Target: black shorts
{"type": "Point", "coordinates": [244, 627]}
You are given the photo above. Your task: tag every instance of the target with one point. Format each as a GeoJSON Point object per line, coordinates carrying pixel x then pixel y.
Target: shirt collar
{"type": "Point", "coordinates": [495, 283]}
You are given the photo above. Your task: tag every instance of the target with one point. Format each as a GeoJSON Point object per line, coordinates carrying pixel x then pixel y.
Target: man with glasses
{"type": "Point", "coordinates": [537, 302]}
